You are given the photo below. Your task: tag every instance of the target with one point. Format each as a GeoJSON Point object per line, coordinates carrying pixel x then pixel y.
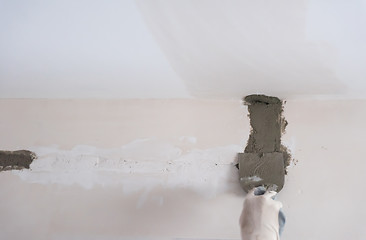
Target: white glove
{"type": "Point", "coordinates": [259, 218]}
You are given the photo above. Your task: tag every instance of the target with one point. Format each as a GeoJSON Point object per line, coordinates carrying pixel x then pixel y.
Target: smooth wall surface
{"type": "Point", "coordinates": [182, 48]}
{"type": "Point", "coordinates": [163, 169]}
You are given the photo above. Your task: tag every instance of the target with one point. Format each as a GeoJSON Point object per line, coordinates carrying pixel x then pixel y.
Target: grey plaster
{"type": "Point", "coordinates": [265, 169]}
{"type": "Point", "coordinates": [265, 159]}
{"type": "Point", "coordinates": [10, 160]}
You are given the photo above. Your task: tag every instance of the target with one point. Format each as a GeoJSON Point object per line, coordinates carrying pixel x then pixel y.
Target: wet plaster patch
{"type": "Point", "coordinates": [265, 159]}
{"type": "Point", "coordinates": [16, 160]}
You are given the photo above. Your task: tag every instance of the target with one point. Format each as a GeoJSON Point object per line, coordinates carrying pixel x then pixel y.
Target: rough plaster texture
{"type": "Point", "coordinates": [56, 200]}
{"type": "Point", "coordinates": [264, 159]}
{"type": "Point", "coordinates": [16, 159]}
{"type": "Point", "coordinates": [266, 169]}
{"type": "Point", "coordinates": [266, 122]}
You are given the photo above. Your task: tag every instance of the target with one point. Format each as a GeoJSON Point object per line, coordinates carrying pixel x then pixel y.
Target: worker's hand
{"type": "Point", "coordinates": [259, 218]}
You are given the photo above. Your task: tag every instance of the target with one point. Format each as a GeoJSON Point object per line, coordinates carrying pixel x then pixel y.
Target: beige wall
{"type": "Point", "coordinates": [122, 169]}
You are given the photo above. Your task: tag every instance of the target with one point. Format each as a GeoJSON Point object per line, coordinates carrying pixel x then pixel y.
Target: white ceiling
{"type": "Point", "coordinates": [182, 48]}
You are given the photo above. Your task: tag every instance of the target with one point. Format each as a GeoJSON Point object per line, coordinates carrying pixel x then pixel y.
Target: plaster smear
{"type": "Point", "coordinates": [264, 155]}
{"type": "Point", "coordinates": [140, 165]}
{"type": "Point", "coordinates": [17, 160]}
